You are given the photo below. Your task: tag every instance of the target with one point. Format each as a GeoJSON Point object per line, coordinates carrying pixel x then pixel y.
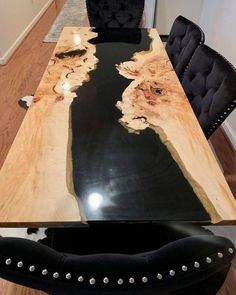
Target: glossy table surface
{"type": "Point", "coordinates": [111, 137]}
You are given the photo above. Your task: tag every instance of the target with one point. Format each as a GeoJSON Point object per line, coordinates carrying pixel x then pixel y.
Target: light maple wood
{"type": "Point", "coordinates": [155, 99]}
{"type": "Point", "coordinates": [35, 180]}
{"type": "Point", "coordinates": [21, 76]}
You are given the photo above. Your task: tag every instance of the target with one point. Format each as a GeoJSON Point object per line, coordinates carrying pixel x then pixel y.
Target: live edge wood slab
{"type": "Point", "coordinates": [108, 101]}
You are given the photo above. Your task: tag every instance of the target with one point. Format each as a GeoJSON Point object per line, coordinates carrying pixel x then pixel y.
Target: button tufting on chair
{"type": "Point", "coordinates": [210, 85]}
{"type": "Point", "coordinates": [166, 259]}
{"type": "Point", "coordinates": [184, 38]}
{"type": "Point", "coordinates": [115, 14]}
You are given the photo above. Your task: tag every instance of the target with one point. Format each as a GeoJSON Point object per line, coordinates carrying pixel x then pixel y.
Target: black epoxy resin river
{"type": "Point", "coordinates": [119, 175]}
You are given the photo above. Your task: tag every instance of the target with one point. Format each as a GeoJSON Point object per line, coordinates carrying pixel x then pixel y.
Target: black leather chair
{"type": "Point", "coordinates": [137, 259]}
{"type": "Point", "coordinates": [115, 13]}
{"type": "Point", "coordinates": [184, 38]}
{"type": "Point", "coordinates": [210, 85]}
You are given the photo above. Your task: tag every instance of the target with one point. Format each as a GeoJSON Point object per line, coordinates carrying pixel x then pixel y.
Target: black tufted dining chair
{"type": "Point", "coordinates": [132, 259]}
{"type": "Point", "coordinates": [185, 36]}
{"type": "Point", "coordinates": [210, 85]}
{"type": "Point", "coordinates": [115, 13]}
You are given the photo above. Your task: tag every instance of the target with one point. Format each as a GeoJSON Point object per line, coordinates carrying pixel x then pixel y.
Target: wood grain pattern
{"type": "Point", "coordinates": [8, 288]}
{"type": "Point", "coordinates": [229, 286]}
{"type": "Point", "coordinates": [155, 99]}
{"type": "Point", "coordinates": [21, 76]}
{"type": "Point", "coordinates": [226, 155]}
{"type": "Point", "coordinates": [42, 171]}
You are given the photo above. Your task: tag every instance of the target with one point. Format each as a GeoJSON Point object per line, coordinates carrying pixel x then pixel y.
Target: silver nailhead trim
{"type": "Point", "coordinates": [220, 255]}
{"type": "Point", "coordinates": [106, 280]}
{"type": "Point", "coordinates": [172, 272]}
{"type": "Point", "coordinates": [131, 280]}
{"type": "Point", "coordinates": [8, 261]}
{"type": "Point", "coordinates": [120, 282]}
{"type": "Point", "coordinates": [144, 279]}
{"type": "Point", "coordinates": [80, 279]}
{"type": "Point", "coordinates": [68, 276]}
{"type": "Point", "coordinates": [92, 281]}
{"type": "Point", "coordinates": [20, 264]}
{"type": "Point", "coordinates": [32, 268]}
{"type": "Point", "coordinates": [159, 276]}
{"type": "Point", "coordinates": [44, 272]}
{"type": "Point", "coordinates": [184, 268]}
{"type": "Point", "coordinates": [55, 275]}
{"type": "Point", "coordinates": [231, 250]}
{"type": "Point", "coordinates": [196, 264]}
{"type": "Point", "coordinates": [208, 260]}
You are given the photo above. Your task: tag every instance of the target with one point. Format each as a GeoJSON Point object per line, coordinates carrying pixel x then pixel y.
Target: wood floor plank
{"type": "Point", "coordinates": [8, 288]}
{"type": "Point", "coordinates": [227, 157]}
{"type": "Point", "coordinates": [229, 286]}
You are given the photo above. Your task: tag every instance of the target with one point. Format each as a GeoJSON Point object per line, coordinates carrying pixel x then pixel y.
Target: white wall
{"type": "Point", "coordinates": [168, 10]}
{"type": "Point", "coordinates": [218, 21]}
{"type": "Point", "coordinates": [149, 13]}
{"type": "Point", "coordinates": [17, 17]}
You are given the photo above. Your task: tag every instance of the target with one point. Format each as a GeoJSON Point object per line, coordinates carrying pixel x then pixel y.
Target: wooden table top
{"type": "Point", "coordinates": [111, 136]}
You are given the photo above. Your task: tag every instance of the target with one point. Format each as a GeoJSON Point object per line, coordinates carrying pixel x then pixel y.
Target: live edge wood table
{"type": "Point", "coordinates": [111, 136]}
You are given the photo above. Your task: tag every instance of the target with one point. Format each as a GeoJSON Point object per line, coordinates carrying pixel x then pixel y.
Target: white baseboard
{"type": "Point", "coordinates": [2, 61]}
{"type": "Point", "coordinates": [21, 37]}
{"type": "Point", "coordinates": [230, 133]}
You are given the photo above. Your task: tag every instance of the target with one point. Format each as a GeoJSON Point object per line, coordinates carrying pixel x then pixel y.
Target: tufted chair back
{"type": "Point", "coordinates": [184, 38]}
{"type": "Point", "coordinates": [210, 85]}
{"type": "Point", "coordinates": [115, 13]}
{"type": "Point", "coordinates": [131, 259]}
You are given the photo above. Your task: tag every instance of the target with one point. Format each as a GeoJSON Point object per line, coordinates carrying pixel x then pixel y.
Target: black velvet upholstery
{"type": "Point", "coordinates": [210, 85]}
{"type": "Point", "coordinates": [120, 252]}
{"type": "Point", "coordinates": [115, 13]}
{"type": "Point", "coordinates": [184, 38]}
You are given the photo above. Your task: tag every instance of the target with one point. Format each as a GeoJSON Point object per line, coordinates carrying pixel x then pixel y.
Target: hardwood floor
{"type": "Point", "coordinates": [20, 77]}
{"type": "Point", "coordinates": [8, 288]}
{"type": "Point", "coordinates": [229, 286]}
{"type": "Point", "coordinates": [227, 157]}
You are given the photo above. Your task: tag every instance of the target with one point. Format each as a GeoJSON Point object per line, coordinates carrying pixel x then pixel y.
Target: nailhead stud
{"type": "Point", "coordinates": [92, 281]}
{"type": "Point", "coordinates": [8, 261]}
{"type": "Point", "coordinates": [131, 280]}
{"type": "Point", "coordinates": [159, 276]}
{"type": "Point", "coordinates": [231, 250]}
{"type": "Point", "coordinates": [220, 255]}
{"type": "Point", "coordinates": [44, 272]}
{"type": "Point", "coordinates": [144, 279]}
{"type": "Point", "coordinates": [19, 264]}
{"type": "Point", "coordinates": [80, 279]}
{"type": "Point", "coordinates": [106, 280]}
{"type": "Point", "coordinates": [68, 276]}
{"type": "Point", "coordinates": [55, 275]}
{"type": "Point", "coordinates": [184, 268]}
{"type": "Point", "coordinates": [32, 268]}
{"type": "Point", "coordinates": [208, 260]}
{"type": "Point", "coordinates": [172, 272]}
{"type": "Point", "coordinates": [196, 264]}
{"type": "Point", "coordinates": [120, 282]}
